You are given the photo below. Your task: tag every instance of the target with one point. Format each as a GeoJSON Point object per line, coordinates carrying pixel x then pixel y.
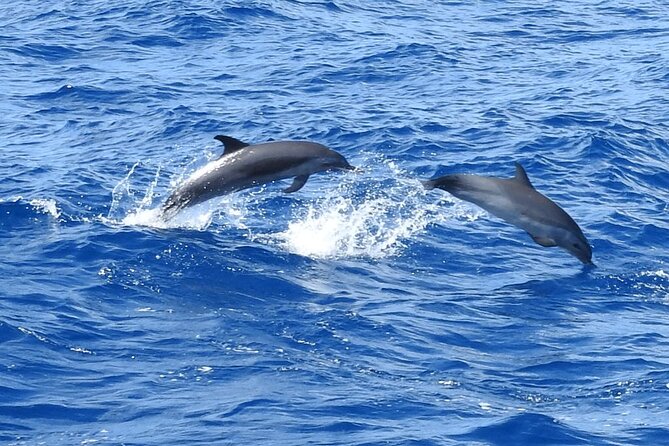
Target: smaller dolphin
{"type": "Point", "coordinates": [242, 166]}
{"type": "Point", "coordinates": [516, 201]}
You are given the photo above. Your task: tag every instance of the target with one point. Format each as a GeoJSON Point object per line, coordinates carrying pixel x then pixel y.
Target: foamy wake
{"type": "Point", "coordinates": [197, 218]}
{"type": "Point", "coordinates": [337, 226]}
{"type": "Point", "coordinates": [373, 214]}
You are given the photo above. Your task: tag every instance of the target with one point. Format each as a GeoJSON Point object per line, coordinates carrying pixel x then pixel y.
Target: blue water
{"type": "Point", "coordinates": [360, 310]}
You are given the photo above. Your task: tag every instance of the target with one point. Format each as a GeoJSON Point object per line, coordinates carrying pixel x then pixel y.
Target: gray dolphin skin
{"type": "Point", "coordinates": [516, 201]}
{"type": "Point", "coordinates": [242, 166]}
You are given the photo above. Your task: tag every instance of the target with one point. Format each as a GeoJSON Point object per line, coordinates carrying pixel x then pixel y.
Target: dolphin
{"type": "Point", "coordinates": [242, 166]}
{"type": "Point", "coordinates": [516, 201]}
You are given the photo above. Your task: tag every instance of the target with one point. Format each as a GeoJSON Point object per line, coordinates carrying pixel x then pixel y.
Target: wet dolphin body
{"type": "Point", "coordinates": [516, 201]}
{"type": "Point", "coordinates": [242, 166]}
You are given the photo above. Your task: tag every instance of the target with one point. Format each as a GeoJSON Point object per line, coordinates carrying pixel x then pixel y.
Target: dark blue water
{"type": "Point", "coordinates": [360, 310]}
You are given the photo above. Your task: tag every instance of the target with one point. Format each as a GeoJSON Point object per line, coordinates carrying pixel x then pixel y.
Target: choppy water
{"type": "Point", "coordinates": [361, 309]}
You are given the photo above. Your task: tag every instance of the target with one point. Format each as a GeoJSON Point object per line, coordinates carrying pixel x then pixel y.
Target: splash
{"type": "Point", "coordinates": [122, 193]}
{"type": "Point", "coordinates": [137, 205]}
{"type": "Point", "coordinates": [373, 216]}
{"type": "Point", "coordinates": [338, 227]}
{"type": "Point", "coordinates": [196, 218]}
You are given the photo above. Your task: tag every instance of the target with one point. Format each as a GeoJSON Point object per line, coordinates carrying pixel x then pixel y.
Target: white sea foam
{"type": "Point", "coordinates": [376, 224]}
{"type": "Point", "coordinates": [46, 206]}
{"type": "Point", "coordinates": [42, 205]}
{"type": "Point", "coordinates": [660, 273]}
{"type": "Point", "coordinates": [339, 227]}
{"type": "Point", "coordinates": [14, 199]}
{"type": "Point", "coordinates": [198, 219]}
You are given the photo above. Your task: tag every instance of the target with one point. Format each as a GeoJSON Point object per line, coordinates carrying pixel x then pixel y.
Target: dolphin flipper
{"type": "Point", "coordinates": [298, 182]}
{"type": "Point", "coordinates": [546, 242]}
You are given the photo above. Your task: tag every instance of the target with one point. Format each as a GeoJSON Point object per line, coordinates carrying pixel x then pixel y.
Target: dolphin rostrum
{"type": "Point", "coordinates": [242, 166]}
{"type": "Point", "coordinates": [516, 201]}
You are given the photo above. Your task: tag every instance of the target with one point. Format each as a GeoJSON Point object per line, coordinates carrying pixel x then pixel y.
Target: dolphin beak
{"type": "Point", "coordinates": [582, 251]}
{"type": "Point", "coordinates": [585, 258]}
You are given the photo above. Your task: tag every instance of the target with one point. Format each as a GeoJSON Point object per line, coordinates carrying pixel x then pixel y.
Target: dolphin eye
{"type": "Point", "coordinates": [576, 245]}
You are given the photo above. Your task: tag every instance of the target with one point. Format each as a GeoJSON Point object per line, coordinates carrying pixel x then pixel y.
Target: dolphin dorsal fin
{"type": "Point", "coordinates": [521, 176]}
{"type": "Point", "coordinates": [231, 144]}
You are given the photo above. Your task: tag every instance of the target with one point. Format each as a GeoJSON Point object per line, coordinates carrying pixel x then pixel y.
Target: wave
{"type": "Point", "coordinates": [20, 213]}
{"type": "Point", "coordinates": [530, 428]}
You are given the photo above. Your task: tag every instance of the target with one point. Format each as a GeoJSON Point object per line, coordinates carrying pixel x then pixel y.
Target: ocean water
{"type": "Point", "coordinates": [360, 310]}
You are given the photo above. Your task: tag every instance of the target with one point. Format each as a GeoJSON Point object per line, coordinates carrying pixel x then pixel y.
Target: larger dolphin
{"type": "Point", "coordinates": [242, 166]}
{"type": "Point", "coordinates": [516, 201]}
